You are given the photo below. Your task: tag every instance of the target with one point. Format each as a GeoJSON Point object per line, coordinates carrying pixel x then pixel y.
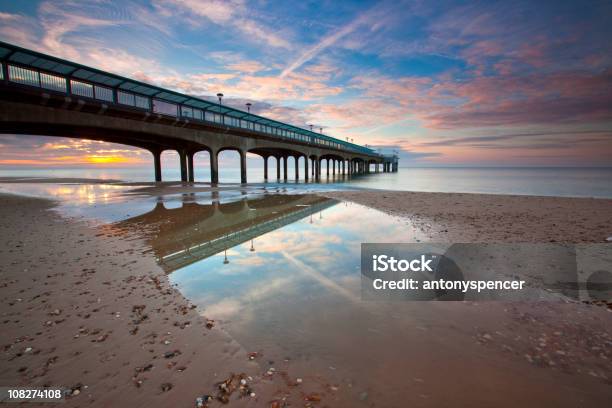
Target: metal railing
{"type": "Point", "coordinates": [26, 67]}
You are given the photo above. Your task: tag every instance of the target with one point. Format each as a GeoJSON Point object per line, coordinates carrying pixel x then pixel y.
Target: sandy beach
{"type": "Point", "coordinates": [84, 308]}
{"type": "Point", "coordinates": [88, 308]}
{"type": "Point", "coordinates": [459, 217]}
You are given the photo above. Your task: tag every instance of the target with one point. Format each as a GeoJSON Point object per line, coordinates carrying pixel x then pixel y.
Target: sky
{"type": "Point", "coordinates": [447, 83]}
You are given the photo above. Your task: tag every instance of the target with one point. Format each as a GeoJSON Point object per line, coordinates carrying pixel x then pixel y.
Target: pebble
{"type": "Point", "coordinates": [299, 381]}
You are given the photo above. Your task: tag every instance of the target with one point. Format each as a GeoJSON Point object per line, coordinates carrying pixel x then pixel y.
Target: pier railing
{"type": "Point", "coordinates": [23, 67]}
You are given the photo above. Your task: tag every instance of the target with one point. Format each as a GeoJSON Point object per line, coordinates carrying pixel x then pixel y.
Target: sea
{"type": "Point", "coordinates": [540, 181]}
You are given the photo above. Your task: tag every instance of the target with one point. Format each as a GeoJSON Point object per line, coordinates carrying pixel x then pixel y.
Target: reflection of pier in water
{"type": "Point", "coordinates": [184, 235]}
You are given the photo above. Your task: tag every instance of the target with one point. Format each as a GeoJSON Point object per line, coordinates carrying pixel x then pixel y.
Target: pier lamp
{"type": "Point", "coordinates": [225, 261]}
{"type": "Point", "coordinates": [248, 105]}
{"type": "Point", "coordinates": [311, 218]}
{"type": "Point", "coordinates": [220, 96]}
{"type": "Point", "coordinates": [252, 247]}
{"type": "Point", "coordinates": [310, 127]}
{"type": "Point", "coordinates": [321, 130]}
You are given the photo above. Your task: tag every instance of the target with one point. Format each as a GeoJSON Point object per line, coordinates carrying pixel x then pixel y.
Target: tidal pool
{"type": "Point", "coordinates": [280, 274]}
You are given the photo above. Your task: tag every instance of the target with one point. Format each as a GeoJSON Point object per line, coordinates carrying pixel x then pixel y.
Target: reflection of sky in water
{"type": "Point", "coordinates": [101, 202]}
{"type": "Point", "coordinates": [110, 202]}
{"type": "Point", "coordinates": [303, 271]}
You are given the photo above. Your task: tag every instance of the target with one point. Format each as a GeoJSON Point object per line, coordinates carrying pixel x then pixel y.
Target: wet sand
{"type": "Point", "coordinates": [84, 308]}
{"type": "Point", "coordinates": [87, 307]}
{"type": "Point", "coordinates": [459, 217]}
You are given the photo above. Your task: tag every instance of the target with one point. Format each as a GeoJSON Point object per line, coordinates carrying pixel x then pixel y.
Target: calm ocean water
{"type": "Point", "coordinates": [565, 182]}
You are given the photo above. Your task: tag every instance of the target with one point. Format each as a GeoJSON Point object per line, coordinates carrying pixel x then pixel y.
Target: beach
{"type": "Point", "coordinates": [85, 309]}
{"type": "Point", "coordinates": [88, 308]}
{"type": "Point", "coordinates": [461, 217]}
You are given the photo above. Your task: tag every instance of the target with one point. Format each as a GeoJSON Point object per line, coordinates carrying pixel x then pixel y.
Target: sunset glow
{"type": "Point", "coordinates": [446, 83]}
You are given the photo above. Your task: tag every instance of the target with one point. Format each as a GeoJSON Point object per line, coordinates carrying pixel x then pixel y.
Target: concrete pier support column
{"type": "Point", "coordinates": [183, 164]}
{"type": "Point", "coordinates": [327, 167]}
{"type": "Point", "coordinates": [265, 168]}
{"type": "Point", "coordinates": [312, 162]}
{"type": "Point", "coordinates": [334, 167]}
{"type": "Point", "coordinates": [306, 168]}
{"type": "Point", "coordinates": [157, 165]}
{"type": "Point", "coordinates": [318, 169]}
{"type": "Point", "coordinates": [285, 158]}
{"type": "Point", "coordinates": [190, 166]}
{"type": "Point", "coordinates": [297, 167]}
{"type": "Point", "coordinates": [214, 167]}
{"type": "Point", "coordinates": [278, 159]}
{"type": "Point", "coordinates": [243, 168]}
{"type": "Point", "coordinates": [343, 168]}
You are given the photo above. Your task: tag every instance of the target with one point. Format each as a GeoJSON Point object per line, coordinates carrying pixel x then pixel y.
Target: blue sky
{"type": "Point", "coordinates": [446, 82]}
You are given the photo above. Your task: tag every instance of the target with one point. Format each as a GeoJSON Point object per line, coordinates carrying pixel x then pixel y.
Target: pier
{"type": "Point", "coordinates": [45, 95]}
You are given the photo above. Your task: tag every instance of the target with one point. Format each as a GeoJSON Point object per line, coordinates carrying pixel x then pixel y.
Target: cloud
{"type": "Point", "coordinates": [52, 151]}
{"type": "Point", "coordinates": [370, 19]}
{"type": "Point", "coordinates": [481, 101]}
{"type": "Point", "coordinates": [232, 13]}
{"type": "Point", "coordinates": [573, 135]}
